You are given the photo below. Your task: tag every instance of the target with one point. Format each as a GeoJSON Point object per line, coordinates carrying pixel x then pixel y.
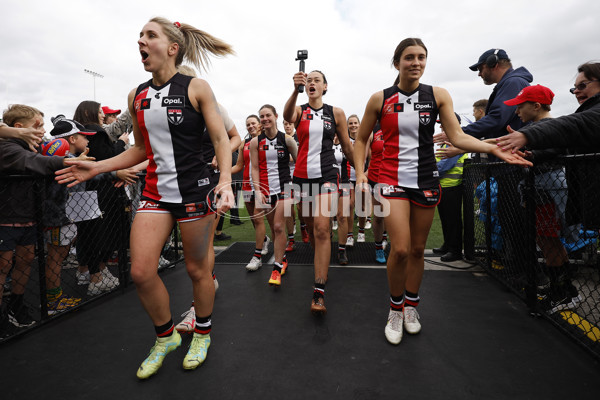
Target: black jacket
{"type": "Point", "coordinates": [17, 196]}
{"type": "Point", "coordinates": [577, 133]}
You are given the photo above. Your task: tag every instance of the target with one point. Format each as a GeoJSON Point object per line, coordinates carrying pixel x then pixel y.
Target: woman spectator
{"type": "Point", "coordinates": [97, 239]}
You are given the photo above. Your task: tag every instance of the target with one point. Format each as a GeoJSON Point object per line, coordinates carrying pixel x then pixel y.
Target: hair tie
{"type": "Point", "coordinates": [177, 24]}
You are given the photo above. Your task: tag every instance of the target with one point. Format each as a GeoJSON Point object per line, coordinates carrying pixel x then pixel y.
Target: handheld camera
{"type": "Point", "coordinates": [302, 55]}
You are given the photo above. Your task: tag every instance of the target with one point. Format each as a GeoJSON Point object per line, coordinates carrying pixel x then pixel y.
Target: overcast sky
{"type": "Point", "coordinates": [46, 45]}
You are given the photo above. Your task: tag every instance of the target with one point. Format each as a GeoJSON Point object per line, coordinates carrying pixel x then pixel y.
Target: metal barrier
{"type": "Point", "coordinates": [62, 248]}
{"type": "Point", "coordinates": [536, 231]}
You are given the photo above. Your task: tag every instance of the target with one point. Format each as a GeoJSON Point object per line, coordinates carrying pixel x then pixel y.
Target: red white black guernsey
{"type": "Point", "coordinates": [273, 163]}
{"type": "Point", "coordinates": [315, 131]}
{"type": "Point", "coordinates": [348, 171]}
{"type": "Point", "coordinates": [172, 131]}
{"type": "Point", "coordinates": [376, 154]}
{"type": "Point", "coordinates": [247, 184]}
{"type": "Point", "coordinates": [408, 123]}
{"type": "Point", "coordinates": [292, 162]}
{"type": "Point", "coordinates": [339, 158]}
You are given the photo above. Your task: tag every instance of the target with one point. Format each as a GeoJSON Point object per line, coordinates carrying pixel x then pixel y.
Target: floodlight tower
{"type": "Point", "coordinates": [94, 75]}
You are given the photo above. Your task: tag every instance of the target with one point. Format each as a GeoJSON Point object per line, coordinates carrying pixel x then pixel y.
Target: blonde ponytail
{"type": "Point", "coordinates": [195, 45]}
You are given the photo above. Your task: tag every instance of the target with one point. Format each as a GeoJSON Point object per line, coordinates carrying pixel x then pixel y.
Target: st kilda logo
{"type": "Point", "coordinates": [175, 115]}
{"type": "Point", "coordinates": [425, 117]}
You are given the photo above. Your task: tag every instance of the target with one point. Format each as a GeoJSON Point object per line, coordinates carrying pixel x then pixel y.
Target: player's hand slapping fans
{"type": "Point", "coordinates": [77, 172]}
{"type": "Point", "coordinates": [514, 141]}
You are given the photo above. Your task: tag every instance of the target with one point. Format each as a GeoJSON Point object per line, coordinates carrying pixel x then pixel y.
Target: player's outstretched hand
{"type": "Point", "coordinates": [77, 172]}
{"type": "Point", "coordinates": [516, 158]}
{"type": "Point", "coordinates": [514, 141]}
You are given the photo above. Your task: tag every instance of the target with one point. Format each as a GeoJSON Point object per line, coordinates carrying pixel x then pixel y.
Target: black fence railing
{"type": "Point", "coordinates": [536, 230]}
{"type": "Point", "coordinates": [61, 248]}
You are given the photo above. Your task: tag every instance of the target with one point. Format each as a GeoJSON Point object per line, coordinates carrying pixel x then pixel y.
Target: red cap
{"type": "Point", "coordinates": [537, 94]}
{"type": "Point", "coordinates": [108, 110]}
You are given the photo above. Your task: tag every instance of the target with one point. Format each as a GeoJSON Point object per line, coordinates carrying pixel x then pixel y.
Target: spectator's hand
{"type": "Point", "coordinates": [448, 152]}
{"type": "Point", "coordinates": [224, 198]}
{"type": "Point", "coordinates": [514, 141]}
{"type": "Point", "coordinates": [516, 158]}
{"type": "Point", "coordinates": [83, 156]}
{"type": "Point", "coordinates": [526, 154]}
{"type": "Point", "coordinates": [32, 136]}
{"type": "Point", "coordinates": [126, 177]}
{"type": "Point", "coordinates": [125, 137]}
{"type": "Point", "coordinates": [77, 172]}
{"type": "Point", "coordinates": [440, 137]}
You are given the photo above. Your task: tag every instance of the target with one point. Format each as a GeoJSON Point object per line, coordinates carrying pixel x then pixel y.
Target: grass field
{"type": "Point", "coordinates": [245, 232]}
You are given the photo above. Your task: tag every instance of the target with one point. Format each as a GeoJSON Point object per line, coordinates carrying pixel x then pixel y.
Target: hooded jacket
{"type": "Point", "coordinates": [497, 114]}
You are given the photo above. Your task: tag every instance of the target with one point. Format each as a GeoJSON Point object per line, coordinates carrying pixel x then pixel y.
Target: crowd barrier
{"type": "Point", "coordinates": [95, 219]}
{"type": "Point", "coordinates": [536, 231]}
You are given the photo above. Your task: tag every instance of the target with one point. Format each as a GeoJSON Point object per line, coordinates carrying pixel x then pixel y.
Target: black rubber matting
{"type": "Point", "coordinates": [477, 342]}
{"type": "Point", "coordinates": [242, 252]}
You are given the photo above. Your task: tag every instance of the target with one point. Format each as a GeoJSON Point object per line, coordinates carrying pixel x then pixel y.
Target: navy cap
{"type": "Point", "coordinates": [499, 52]}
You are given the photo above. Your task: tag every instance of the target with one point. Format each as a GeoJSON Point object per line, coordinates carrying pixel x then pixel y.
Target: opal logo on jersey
{"type": "Point", "coordinates": [175, 115]}
{"type": "Point", "coordinates": [173, 101]}
{"type": "Point", "coordinates": [425, 117]}
{"type": "Point", "coordinates": [424, 105]}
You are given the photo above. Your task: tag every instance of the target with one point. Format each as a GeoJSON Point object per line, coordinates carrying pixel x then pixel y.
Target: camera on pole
{"type": "Point", "coordinates": [302, 55]}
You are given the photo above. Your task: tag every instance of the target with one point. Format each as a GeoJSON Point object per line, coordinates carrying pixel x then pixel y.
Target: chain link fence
{"type": "Point", "coordinates": [536, 231]}
{"type": "Point", "coordinates": [61, 248]}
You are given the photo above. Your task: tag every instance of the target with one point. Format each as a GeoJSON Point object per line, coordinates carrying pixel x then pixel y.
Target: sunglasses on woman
{"type": "Point", "coordinates": [582, 85]}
